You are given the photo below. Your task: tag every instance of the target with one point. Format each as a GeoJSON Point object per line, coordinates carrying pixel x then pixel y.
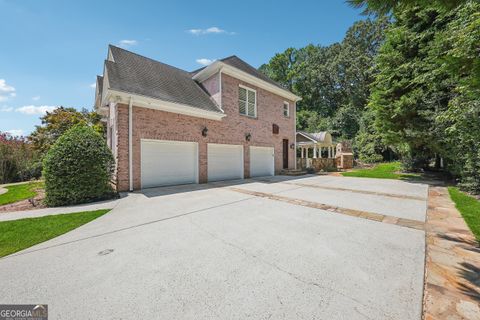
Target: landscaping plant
{"type": "Point", "coordinates": [78, 168]}
{"type": "Point", "coordinates": [18, 159]}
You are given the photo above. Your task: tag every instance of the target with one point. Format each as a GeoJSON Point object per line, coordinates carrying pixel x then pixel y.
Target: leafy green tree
{"type": "Point", "coordinates": [60, 120]}
{"type": "Point", "coordinates": [457, 55]}
{"type": "Point", "coordinates": [368, 144]}
{"type": "Point", "coordinates": [426, 95]}
{"type": "Point", "coordinates": [386, 6]}
{"type": "Point", "coordinates": [280, 68]}
{"type": "Point", "coordinates": [333, 81]}
{"type": "Point", "coordinates": [18, 160]}
{"type": "Point", "coordinates": [310, 121]}
{"type": "Point", "coordinates": [409, 91]}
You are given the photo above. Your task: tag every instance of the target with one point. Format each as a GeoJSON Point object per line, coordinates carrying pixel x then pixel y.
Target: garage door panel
{"type": "Point", "coordinates": [262, 161]}
{"type": "Point", "coordinates": [225, 162]}
{"type": "Point", "coordinates": [168, 163]}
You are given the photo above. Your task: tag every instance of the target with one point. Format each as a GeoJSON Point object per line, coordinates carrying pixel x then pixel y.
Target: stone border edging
{"type": "Point", "coordinates": [402, 222]}
{"type": "Point", "coordinates": [384, 194]}
{"type": "Point", "coordinates": [452, 262]}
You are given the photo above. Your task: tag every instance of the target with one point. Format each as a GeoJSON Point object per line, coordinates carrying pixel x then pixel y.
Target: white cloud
{"type": "Point", "coordinates": [31, 110]}
{"type": "Point", "coordinates": [93, 85]}
{"type": "Point", "coordinates": [6, 109]}
{"type": "Point", "coordinates": [204, 61]}
{"type": "Point", "coordinates": [6, 90]}
{"type": "Point", "coordinates": [36, 98]}
{"type": "Point", "coordinates": [15, 132]}
{"type": "Point", "coordinates": [128, 43]}
{"type": "Point", "coordinates": [211, 30]}
{"type": "Point", "coordinates": [4, 87]}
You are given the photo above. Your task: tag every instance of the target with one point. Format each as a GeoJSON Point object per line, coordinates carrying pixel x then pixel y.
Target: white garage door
{"type": "Point", "coordinates": [225, 161]}
{"type": "Point", "coordinates": [166, 163]}
{"type": "Point", "coordinates": [261, 161]}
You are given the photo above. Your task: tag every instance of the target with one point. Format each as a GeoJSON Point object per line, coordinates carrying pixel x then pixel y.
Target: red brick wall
{"type": "Point", "coordinates": [155, 124]}
{"type": "Point", "coordinates": [212, 86]}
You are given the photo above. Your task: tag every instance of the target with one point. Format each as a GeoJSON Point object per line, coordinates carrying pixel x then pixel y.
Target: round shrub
{"type": "Point", "coordinates": [78, 168]}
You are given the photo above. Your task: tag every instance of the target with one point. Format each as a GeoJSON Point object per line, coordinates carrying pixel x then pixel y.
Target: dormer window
{"type": "Point", "coordinates": [286, 109]}
{"type": "Point", "coordinates": [247, 101]}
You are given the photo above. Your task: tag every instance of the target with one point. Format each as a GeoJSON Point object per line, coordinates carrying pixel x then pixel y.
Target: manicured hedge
{"type": "Point", "coordinates": [78, 168]}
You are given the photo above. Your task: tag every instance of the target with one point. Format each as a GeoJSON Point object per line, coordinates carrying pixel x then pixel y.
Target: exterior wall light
{"type": "Point", "coordinates": [292, 146]}
{"type": "Point", "coordinates": [204, 131]}
{"type": "Point", "coordinates": [248, 137]}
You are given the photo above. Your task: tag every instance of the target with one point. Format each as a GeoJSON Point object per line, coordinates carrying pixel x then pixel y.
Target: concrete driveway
{"type": "Point", "coordinates": [276, 248]}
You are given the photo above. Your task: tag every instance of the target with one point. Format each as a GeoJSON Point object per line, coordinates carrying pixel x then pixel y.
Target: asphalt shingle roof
{"type": "Point", "coordinates": [100, 84]}
{"type": "Point", "coordinates": [132, 73]}
{"type": "Point", "coordinates": [238, 63]}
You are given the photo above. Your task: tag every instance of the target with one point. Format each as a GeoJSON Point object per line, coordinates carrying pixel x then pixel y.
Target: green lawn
{"type": "Point", "coordinates": [20, 234]}
{"type": "Point", "coordinates": [18, 192]}
{"type": "Point", "coordinates": [389, 170]}
{"type": "Point", "coordinates": [469, 207]}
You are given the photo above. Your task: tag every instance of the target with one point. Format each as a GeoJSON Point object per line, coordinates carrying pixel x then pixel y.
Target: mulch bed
{"type": "Point", "coordinates": [27, 204]}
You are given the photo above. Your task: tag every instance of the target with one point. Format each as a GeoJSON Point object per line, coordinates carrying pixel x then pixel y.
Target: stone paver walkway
{"type": "Point", "coordinates": [3, 190]}
{"type": "Point", "coordinates": [403, 222]}
{"type": "Point", "coordinates": [452, 281]}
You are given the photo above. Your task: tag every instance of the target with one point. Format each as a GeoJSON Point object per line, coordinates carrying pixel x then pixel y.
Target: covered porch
{"type": "Point", "coordinates": [317, 150]}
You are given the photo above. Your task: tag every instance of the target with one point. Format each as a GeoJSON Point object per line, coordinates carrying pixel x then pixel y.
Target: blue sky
{"type": "Point", "coordinates": [51, 51]}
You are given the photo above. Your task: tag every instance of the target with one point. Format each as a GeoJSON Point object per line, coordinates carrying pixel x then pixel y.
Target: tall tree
{"type": "Point", "coordinates": [409, 91]}
{"type": "Point", "coordinates": [457, 51]}
{"type": "Point", "coordinates": [333, 81]}
{"type": "Point", "coordinates": [57, 122]}
{"type": "Point", "coordinates": [426, 96]}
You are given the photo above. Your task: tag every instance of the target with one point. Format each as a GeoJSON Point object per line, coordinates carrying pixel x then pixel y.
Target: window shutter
{"type": "Point", "coordinates": [251, 103]}
{"type": "Point", "coordinates": [242, 100]}
{"type": "Point", "coordinates": [247, 101]}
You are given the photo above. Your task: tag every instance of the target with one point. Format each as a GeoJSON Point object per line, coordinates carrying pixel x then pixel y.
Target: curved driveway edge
{"type": "Point", "coordinates": [15, 215]}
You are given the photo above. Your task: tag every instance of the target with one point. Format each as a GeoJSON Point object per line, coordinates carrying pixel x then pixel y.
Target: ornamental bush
{"type": "Point", "coordinates": [78, 168]}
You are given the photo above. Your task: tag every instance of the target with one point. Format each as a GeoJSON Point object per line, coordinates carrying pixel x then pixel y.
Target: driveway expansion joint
{"type": "Point", "coordinates": [402, 222]}
{"type": "Point", "coordinates": [376, 193]}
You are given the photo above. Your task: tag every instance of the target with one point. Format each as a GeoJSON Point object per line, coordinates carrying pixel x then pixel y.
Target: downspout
{"type": "Point", "coordinates": [220, 88]}
{"type": "Point", "coordinates": [295, 132]}
{"type": "Point", "coordinates": [130, 145]}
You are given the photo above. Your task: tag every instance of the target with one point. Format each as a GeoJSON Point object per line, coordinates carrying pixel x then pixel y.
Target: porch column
{"type": "Point", "coordinates": [315, 151]}
{"type": "Point", "coordinates": [329, 152]}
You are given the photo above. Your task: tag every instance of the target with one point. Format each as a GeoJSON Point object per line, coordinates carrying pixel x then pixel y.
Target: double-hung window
{"type": "Point", "coordinates": [247, 101]}
{"type": "Point", "coordinates": [286, 109]}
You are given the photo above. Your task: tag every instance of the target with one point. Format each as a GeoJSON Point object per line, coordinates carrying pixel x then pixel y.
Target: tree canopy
{"type": "Point", "coordinates": [57, 122]}
{"type": "Point", "coordinates": [403, 83]}
{"type": "Point", "coordinates": [333, 81]}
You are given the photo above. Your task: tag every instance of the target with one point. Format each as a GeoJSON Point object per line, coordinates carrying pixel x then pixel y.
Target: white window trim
{"type": "Point", "coordinates": [255, 107]}
{"type": "Point", "coordinates": [288, 109]}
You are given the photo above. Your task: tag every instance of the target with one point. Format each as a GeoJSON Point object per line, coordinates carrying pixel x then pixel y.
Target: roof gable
{"type": "Point", "coordinates": [238, 63]}
{"type": "Point", "coordinates": [317, 137]}
{"type": "Point", "coordinates": [133, 73]}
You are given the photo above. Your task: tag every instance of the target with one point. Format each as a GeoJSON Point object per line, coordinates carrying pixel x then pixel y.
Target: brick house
{"type": "Point", "coordinates": [168, 126]}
